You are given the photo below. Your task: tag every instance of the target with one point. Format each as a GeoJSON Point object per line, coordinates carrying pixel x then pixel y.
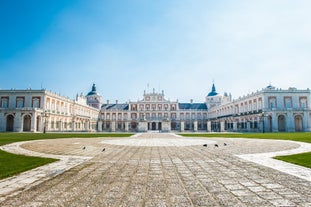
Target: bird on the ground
{"type": "Point", "coordinates": [103, 150]}
{"type": "Point", "coordinates": [204, 145]}
{"type": "Point", "coordinates": [216, 145]}
{"type": "Point", "coordinates": [225, 144]}
{"type": "Point", "coordinates": [83, 148]}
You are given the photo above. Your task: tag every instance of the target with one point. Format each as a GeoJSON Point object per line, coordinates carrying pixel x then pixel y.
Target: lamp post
{"type": "Point", "coordinates": [45, 115]}
{"type": "Point", "coordinates": [263, 122]}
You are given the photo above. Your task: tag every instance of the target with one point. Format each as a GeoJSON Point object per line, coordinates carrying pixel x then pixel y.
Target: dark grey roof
{"type": "Point", "coordinates": [193, 106]}
{"type": "Point", "coordinates": [115, 106]}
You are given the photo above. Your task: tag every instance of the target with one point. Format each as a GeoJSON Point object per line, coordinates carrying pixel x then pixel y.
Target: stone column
{"type": "Point", "coordinates": [142, 126]}
{"type": "Point", "coordinates": [235, 126]}
{"type": "Point", "coordinates": [87, 125]}
{"type": "Point", "coordinates": [33, 127]}
{"type": "Point", "coordinates": [248, 126]}
{"type": "Point", "coordinates": [274, 123]}
{"type": "Point", "coordinates": [2, 122]}
{"type": "Point", "coordinates": [166, 126]}
{"type": "Point", "coordinates": [290, 122]}
{"type": "Point", "coordinates": [100, 126]}
{"type": "Point", "coordinates": [305, 122]}
{"type": "Point", "coordinates": [47, 123]}
{"type": "Point", "coordinates": [209, 126]}
{"type": "Point", "coordinates": [222, 126]}
{"type": "Point", "coordinates": [113, 126]}
{"type": "Point", "coordinates": [182, 126]}
{"type": "Point", "coordinates": [308, 124]}
{"type": "Point", "coordinates": [195, 126]}
{"type": "Point", "coordinates": [18, 122]}
{"type": "Point", "coordinates": [73, 126]}
{"type": "Point", "coordinates": [126, 126]}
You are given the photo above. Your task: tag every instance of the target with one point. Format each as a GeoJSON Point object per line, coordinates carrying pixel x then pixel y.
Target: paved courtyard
{"type": "Point", "coordinates": [156, 169]}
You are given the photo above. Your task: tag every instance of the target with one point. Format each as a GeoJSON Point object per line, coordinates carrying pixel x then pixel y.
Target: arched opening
{"type": "Point", "coordinates": [27, 123]}
{"type": "Point", "coordinates": [173, 125]}
{"type": "Point", "coordinates": [298, 123]}
{"type": "Point", "coordinates": [133, 125]}
{"type": "Point", "coordinates": [281, 123]}
{"type": "Point", "coordinates": [153, 126]}
{"type": "Point", "coordinates": [160, 126]}
{"type": "Point", "coordinates": [9, 123]}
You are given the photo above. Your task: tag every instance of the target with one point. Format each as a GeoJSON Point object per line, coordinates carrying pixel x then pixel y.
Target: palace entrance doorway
{"type": "Point", "coordinates": [155, 126]}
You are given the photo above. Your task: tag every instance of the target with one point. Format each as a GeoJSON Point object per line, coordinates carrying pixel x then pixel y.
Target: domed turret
{"type": "Point", "coordinates": [212, 98]}
{"type": "Point", "coordinates": [93, 92]}
{"type": "Point", "coordinates": [213, 92]}
{"type": "Point", "coordinates": [94, 99]}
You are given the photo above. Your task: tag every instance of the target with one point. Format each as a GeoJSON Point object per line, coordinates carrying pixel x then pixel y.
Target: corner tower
{"type": "Point", "coordinates": [94, 99]}
{"type": "Point", "coordinates": [213, 98]}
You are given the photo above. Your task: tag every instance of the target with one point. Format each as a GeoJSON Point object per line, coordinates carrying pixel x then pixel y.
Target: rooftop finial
{"type": "Point", "coordinates": [94, 87]}
{"type": "Point", "coordinates": [213, 92]}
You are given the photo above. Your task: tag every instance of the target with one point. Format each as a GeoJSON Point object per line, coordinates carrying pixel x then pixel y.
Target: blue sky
{"type": "Point", "coordinates": [179, 46]}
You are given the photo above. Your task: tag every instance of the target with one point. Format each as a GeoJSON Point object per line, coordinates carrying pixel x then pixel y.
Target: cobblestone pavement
{"type": "Point", "coordinates": [126, 175]}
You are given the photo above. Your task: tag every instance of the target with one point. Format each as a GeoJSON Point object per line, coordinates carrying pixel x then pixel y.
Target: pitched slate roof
{"type": "Point", "coordinates": [115, 106]}
{"type": "Point", "coordinates": [193, 106]}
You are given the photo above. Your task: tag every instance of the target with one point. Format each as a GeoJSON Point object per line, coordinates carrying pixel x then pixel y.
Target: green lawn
{"type": "Point", "coordinates": [303, 159]}
{"type": "Point", "coordinates": [11, 164]}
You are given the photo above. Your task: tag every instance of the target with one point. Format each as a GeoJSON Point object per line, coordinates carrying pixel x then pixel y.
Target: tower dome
{"type": "Point", "coordinates": [213, 92]}
{"type": "Point", "coordinates": [93, 92]}
{"type": "Point", "coordinates": [94, 99]}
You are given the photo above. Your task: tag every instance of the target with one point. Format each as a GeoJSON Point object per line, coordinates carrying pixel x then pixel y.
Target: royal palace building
{"type": "Point", "coordinates": [268, 110]}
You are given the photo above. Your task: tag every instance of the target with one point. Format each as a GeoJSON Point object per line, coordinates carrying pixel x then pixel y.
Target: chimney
{"type": "Point", "coordinates": [191, 100]}
{"type": "Point", "coordinates": [117, 101]}
{"type": "Point", "coordinates": [107, 102]}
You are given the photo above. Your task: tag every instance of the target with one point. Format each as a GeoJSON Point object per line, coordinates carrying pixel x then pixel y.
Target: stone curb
{"type": "Point", "coordinates": [13, 185]}
{"type": "Point", "coordinates": [266, 159]}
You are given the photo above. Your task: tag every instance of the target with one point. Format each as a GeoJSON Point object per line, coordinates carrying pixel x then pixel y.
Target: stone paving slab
{"type": "Point", "coordinates": [192, 175]}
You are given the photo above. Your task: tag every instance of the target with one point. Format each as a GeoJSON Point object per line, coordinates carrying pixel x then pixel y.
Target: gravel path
{"type": "Point", "coordinates": [175, 174]}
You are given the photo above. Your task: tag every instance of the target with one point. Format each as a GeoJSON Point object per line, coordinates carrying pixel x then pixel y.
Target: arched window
{"type": "Point", "coordinates": [281, 123]}
{"type": "Point", "coordinates": [27, 123]}
{"type": "Point", "coordinates": [298, 123]}
{"type": "Point", "coordinates": [9, 123]}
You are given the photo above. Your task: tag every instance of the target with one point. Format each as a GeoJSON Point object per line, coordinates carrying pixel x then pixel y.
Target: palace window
{"type": "Point", "coordinates": [4, 102]}
{"type": "Point", "coordinates": [173, 107]}
{"type": "Point", "coordinates": [272, 102]}
{"type": "Point", "coordinates": [20, 102]}
{"type": "Point", "coordinates": [303, 102]}
{"type": "Point", "coordinates": [159, 106]}
{"type": "Point", "coordinates": [36, 102]}
{"type": "Point", "coordinates": [288, 102]}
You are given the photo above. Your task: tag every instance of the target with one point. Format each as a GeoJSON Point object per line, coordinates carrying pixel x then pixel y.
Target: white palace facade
{"type": "Point", "coordinates": [268, 110]}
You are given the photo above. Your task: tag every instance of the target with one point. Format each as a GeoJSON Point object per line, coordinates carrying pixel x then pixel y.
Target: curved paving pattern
{"type": "Point", "coordinates": [158, 142]}
{"type": "Point", "coordinates": [194, 175]}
